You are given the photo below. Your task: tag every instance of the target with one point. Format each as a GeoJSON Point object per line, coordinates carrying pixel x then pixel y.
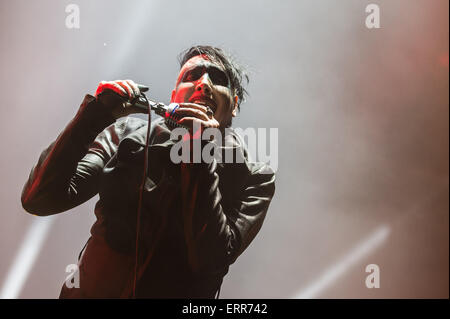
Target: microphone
{"type": "Point", "coordinates": [165, 111]}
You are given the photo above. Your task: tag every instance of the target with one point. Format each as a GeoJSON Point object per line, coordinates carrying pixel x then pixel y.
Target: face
{"type": "Point", "coordinates": [204, 82]}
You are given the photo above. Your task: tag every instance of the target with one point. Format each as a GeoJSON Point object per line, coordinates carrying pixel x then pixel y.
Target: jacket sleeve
{"type": "Point", "coordinates": [217, 233]}
{"type": "Point", "coordinates": [67, 172]}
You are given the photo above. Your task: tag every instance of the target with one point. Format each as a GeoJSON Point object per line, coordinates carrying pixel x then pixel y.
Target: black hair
{"type": "Point", "coordinates": [235, 72]}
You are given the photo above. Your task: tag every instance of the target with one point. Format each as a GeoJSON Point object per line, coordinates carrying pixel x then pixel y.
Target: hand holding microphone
{"type": "Point", "coordinates": [119, 95]}
{"type": "Point", "coordinates": [125, 97]}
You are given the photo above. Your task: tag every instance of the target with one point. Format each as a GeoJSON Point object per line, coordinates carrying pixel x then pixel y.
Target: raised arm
{"type": "Point", "coordinates": [67, 172]}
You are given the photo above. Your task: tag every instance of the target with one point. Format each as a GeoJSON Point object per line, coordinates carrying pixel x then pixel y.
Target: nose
{"type": "Point", "coordinates": [204, 84]}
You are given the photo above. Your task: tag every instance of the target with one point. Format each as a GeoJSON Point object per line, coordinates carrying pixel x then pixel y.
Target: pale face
{"type": "Point", "coordinates": [205, 82]}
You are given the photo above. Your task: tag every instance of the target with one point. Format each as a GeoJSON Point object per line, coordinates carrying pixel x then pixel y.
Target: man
{"type": "Point", "coordinates": [195, 218]}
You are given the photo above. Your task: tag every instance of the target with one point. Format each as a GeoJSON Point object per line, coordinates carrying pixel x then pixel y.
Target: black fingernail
{"type": "Point", "coordinates": [143, 88]}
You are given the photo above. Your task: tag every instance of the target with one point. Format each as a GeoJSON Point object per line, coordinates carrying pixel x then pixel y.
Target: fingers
{"type": "Point", "coordinates": [127, 89]}
{"type": "Point", "coordinates": [134, 87]}
{"type": "Point", "coordinates": [199, 107]}
{"type": "Point", "coordinates": [191, 112]}
{"type": "Point", "coordinates": [110, 85]}
{"type": "Point", "coordinates": [119, 96]}
{"type": "Point", "coordinates": [189, 122]}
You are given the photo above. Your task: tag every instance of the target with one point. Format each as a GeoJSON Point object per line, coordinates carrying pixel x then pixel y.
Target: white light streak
{"type": "Point", "coordinates": [330, 275]}
{"type": "Point", "coordinates": [26, 257]}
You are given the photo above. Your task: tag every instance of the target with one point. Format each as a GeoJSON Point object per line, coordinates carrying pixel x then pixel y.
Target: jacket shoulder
{"type": "Point", "coordinates": [107, 142]}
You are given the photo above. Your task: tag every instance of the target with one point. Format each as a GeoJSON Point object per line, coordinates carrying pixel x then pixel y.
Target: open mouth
{"type": "Point", "coordinates": [206, 102]}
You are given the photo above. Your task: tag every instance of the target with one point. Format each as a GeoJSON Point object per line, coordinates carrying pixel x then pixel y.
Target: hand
{"type": "Point", "coordinates": [196, 115]}
{"type": "Point", "coordinates": [118, 95]}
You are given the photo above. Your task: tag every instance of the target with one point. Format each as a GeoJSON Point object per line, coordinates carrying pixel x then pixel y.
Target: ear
{"type": "Point", "coordinates": [235, 107]}
{"type": "Point", "coordinates": [173, 95]}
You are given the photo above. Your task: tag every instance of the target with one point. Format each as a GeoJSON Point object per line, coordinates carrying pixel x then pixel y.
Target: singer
{"type": "Point", "coordinates": [195, 218]}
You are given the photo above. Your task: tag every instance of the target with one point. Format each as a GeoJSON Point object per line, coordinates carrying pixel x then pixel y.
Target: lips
{"type": "Point", "coordinates": [204, 101]}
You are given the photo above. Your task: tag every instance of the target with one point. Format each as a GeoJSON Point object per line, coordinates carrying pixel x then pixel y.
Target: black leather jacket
{"type": "Point", "coordinates": [196, 218]}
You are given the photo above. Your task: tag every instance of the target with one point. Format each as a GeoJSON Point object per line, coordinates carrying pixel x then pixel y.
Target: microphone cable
{"type": "Point", "coordinates": [171, 118]}
{"type": "Point", "coordinates": [141, 192]}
